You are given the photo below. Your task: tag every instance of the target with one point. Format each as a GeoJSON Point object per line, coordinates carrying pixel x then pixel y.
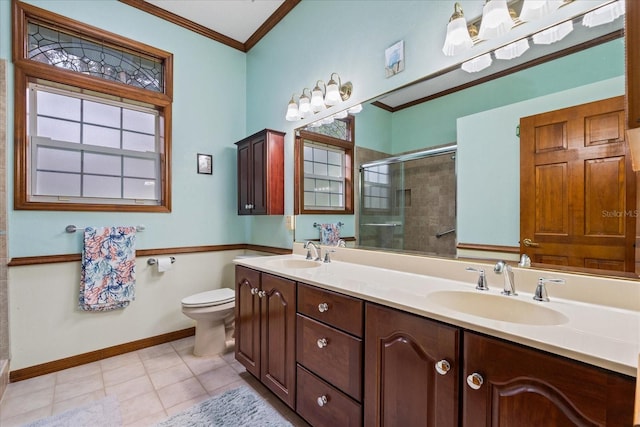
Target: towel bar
{"type": "Point", "coordinates": [154, 261]}
{"type": "Point", "coordinates": [317, 224]}
{"type": "Point", "coordinates": [73, 228]}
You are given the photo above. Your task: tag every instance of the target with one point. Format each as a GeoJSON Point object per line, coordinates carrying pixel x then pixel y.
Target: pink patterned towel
{"type": "Point", "coordinates": [107, 278]}
{"type": "Point", "coordinates": [329, 234]}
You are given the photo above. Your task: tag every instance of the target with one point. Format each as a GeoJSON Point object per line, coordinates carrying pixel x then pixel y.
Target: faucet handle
{"type": "Point", "coordinates": [482, 279]}
{"type": "Point", "coordinates": [327, 258]}
{"type": "Point", "coordinates": [541, 290]}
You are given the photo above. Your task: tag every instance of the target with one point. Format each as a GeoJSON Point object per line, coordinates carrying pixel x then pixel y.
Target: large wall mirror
{"type": "Point", "coordinates": [441, 156]}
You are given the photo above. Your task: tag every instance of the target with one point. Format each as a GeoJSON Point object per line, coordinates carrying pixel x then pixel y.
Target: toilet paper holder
{"type": "Point", "coordinates": [154, 261]}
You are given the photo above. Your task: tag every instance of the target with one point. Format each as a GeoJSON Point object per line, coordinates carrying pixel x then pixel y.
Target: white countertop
{"type": "Point", "coordinates": [600, 335]}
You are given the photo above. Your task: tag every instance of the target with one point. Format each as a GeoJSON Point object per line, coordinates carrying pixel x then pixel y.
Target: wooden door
{"type": "Point", "coordinates": [247, 315]}
{"type": "Point", "coordinates": [278, 353]}
{"type": "Point", "coordinates": [245, 178]}
{"type": "Point", "coordinates": [523, 387]}
{"type": "Point", "coordinates": [402, 387]}
{"type": "Point", "coordinates": [577, 189]}
{"type": "Point", "coordinates": [259, 174]}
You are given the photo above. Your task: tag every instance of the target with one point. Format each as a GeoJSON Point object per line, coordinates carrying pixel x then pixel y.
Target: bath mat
{"type": "Point", "coordinates": [101, 413]}
{"type": "Point", "coordinates": [238, 407]}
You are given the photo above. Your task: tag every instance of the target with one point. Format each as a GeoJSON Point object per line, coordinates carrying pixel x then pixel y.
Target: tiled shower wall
{"type": "Point", "coordinates": [4, 297]}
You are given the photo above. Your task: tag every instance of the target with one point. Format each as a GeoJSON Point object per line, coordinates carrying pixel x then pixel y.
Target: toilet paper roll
{"type": "Point", "coordinates": [164, 264]}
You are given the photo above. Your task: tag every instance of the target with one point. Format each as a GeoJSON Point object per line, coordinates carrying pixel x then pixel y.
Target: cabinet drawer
{"type": "Point", "coordinates": [339, 409]}
{"type": "Point", "coordinates": [338, 359]}
{"type": "Point", "coordinates": [342, 311]}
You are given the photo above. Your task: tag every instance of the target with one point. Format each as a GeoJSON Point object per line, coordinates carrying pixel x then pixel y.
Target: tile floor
{"type": "Point", "coordinates": [150, 384]}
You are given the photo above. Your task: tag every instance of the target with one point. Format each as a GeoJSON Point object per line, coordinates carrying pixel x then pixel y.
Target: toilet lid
{"type": "Point", "coordinates": [214, 297]}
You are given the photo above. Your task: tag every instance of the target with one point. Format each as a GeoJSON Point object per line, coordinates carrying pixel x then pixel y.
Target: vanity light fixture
{"type": "Point", "coordinates": [553, 34]}
{"type": "Point", "coordinates": [478, 63]}
{"type": "Point", "coordinates": [536, 9]}
{"type": "Point", "coordinates": [496, 19]}
{"type": "Point", "coordinates": [316, 100]}
{"type": "Point", "coordinates": [458, 37]}
{"type": "Point", "coordinates": [604, 14]}
{"type": "Point", "coordinates": [512, 50]}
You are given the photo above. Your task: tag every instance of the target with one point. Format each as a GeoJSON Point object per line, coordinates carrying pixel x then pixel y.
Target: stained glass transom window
{"type": "Point", "coordinates": [63, 50]}
{"type": "Point", "coordinates": [338, 129]}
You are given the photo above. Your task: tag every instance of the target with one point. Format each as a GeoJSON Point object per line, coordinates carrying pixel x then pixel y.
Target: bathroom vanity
{"type": "Point", "coordinates": [351, 344]}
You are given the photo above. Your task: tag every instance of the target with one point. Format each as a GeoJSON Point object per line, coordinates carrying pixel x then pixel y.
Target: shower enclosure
{"type": "Point", "coordinates": [408, 202]}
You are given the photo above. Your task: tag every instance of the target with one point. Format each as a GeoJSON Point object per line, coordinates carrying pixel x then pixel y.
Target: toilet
{"type": "Point", "coordinates": [213, 312]}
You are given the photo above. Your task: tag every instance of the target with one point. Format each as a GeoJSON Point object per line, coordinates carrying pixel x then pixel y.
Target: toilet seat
{"type": "Point", "coordinates": [210, 298]}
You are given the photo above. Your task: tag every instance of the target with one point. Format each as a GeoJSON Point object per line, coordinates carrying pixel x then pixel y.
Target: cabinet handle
{"type": "Point", "coordinates": [443, 367]}
{"type": "Point", "coordinates": [262, 294]}
{"type": "Point", "coordinates": [322, 400]}
{"type": "Point", "coordinates": [254, 291]}
{"type": "Point", "coordinates": [475, 381]}
{"type": "Point", "coordinates": [322, 342]}
{"type": "Point", "coordinates": [322, 307]}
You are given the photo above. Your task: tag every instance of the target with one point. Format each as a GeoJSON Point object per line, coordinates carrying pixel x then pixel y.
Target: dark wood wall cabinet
{"type": "Point", "coordinates": [340, 361]}
{"type": "Point", "coordinates": [261, 174]}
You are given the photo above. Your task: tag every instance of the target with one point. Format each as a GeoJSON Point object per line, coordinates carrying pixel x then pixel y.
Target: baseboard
{"type": "Point", "coordinates": [94, 356]}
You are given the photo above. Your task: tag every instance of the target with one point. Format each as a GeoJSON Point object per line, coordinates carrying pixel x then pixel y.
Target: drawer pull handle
{"type": "Point", "coordinates": [322, 400]}
{"type": "Point", "coordinates": [254, 291]}
{"type": "Point", "coordinates": [322, 342]}
{"type": "Point", "coordinates": [443, 367]}
{"type": "Point", "coordinates": [475, 381]}
{"type": "Point", "coordinates": [262, 294]}
{"type": "Point", "coordinates": [322, 307]}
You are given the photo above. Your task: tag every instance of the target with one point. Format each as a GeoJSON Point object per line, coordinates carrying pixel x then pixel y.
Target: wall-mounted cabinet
{"type": "Point", "coordinates": [632, 45]}
{"type": "Point", "coordinates": [261, 174]}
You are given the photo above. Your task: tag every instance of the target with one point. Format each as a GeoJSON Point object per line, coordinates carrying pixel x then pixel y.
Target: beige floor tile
{"type": "Point", "coordinates": [78, 373]}
{"type": "Point", "coordinates": [140, 407]}
{"type": "Point", "coordinates": [184, 343]}
{"type": "Point", "coordinates": [71, 389]}
{"type": "Point", "coordinates": [26, 417]}
{"type": "Point", "coordinates": [31, 385]}
{"type": "Point", "coordinates": [130, 389]}
{"type": "Point", "coordinates": [217, 378]}
{"type": "Point", "coordinates": [16, 405]}
{"type": "Point", "coordinates": [162, 361]}
{"type": "Point", "coordinates": [181, 392]}
{"type": "Point", "coordinates": [171, 375]}
{"type": "Point", "coordinates": [119, 361]}
{"type": "Point", "coordinates": [199, 365]}
{"type": "Point", "coordinates": [123, 373]}
{"type": "Point", "coordinates": [155, 351]}
{"type": "Point", "coordinates": [74, 402]}
{"type": "Point", "coordinates": [149, 420]}
{"type": "Point", "coordinates": [183, 406]}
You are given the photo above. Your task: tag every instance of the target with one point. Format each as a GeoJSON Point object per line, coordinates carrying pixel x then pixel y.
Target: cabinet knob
{"type": "Point", "coordinates": [443, 367]}
{"type": "Point", "coordinates": [262, 294]}
{"type": "Point", "coordinates": [475, 381]}
{"type": "Point", "coordinates": [322, 400]}
{"type": "Point", "coordinates": [254, 291]}
{"type": "Point", "coordinates": [322, 342]}
{"type": "Point", "coordinates": [322, 307]}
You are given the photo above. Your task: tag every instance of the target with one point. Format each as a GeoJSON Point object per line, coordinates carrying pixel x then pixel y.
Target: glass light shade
{"type": "Point", "coordinates": [553, 34]}
{"type": "Point", "coordinates": [458, 38]}
{"type": "Point", "coordinates": [355, 109]}
{"type": "Point", "coordinates": [477, 64]}
{"type": "Point", "coordinates": [292, 112]}
{"type": "Point", "coordinates": [604, 14]}
{"type": "Point", "coordinates": [536, 9]}
{"type": "Point", "coordinates": [317, 101]}
{"type": "Point", "coordinates": [512, 50]}
{"type": "Point", "coordinates": [332, 97]}
{"type": "Point", "coordinates": [496, 20]}
{"type": "Point", "coordinates": [327, 120]}
{"type": "Point", "coordinates": [341, 114]}
{"type": "Point", "coordinates": [305, 105]}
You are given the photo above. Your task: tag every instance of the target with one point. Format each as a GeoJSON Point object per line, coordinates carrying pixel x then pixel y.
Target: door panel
{"type": "Point", "coordinates": [247, 314]}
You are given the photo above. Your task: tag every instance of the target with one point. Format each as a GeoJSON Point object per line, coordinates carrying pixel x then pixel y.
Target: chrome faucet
{"type": "Point", "coordinates": [541, 290]}
{"type": "Point", "coordinates": [308, 245]}
{"type": "Point", "coordinates": [482, 279]}
{"type": "Point", "coordinates": [503, 268]}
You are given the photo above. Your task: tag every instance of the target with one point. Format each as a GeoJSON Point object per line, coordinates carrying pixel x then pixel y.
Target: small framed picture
{"type": "Point", "coordinates": [394, 59]}
{"type": "Point", "coordinates": [205, 163]}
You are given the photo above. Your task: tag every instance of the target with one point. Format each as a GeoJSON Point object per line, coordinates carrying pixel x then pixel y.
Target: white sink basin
{"type": "Point", "coordinates": [293, 263]}
{"type": "Point", "coordinates": [498, 307]}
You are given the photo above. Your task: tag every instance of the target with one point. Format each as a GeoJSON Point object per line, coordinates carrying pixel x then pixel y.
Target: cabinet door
{"type": "Point", "coordinates": [247, 316]}
{"type": "Point", "coordinates": [259, 175]}
{"type": "Point", "coordinates": [278, 320]}
{"type": "Point", "coordinates": [245, 178]}
{"type": "Point", "coordinates": [402, 386]}
{"type": "Point", "coordinates": [525, 387]}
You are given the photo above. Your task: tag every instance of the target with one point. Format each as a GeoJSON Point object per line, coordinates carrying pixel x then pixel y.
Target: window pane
{"type": "Point", "coordinates": [322, 199]}
{"type": "Point", "coordinates": [57, 184]}
{"type": "Point", "coordinates": [55, 105]}
{"type": "Point", "coordinates": [335, 171]}
{"type": "Point", "coordinates": [103, 137]}
{"type": "Point", "coordinates": [308, 167]}
{"type": "Point", "coordinates": [141, 168]}
{"type": "Point", "coordinates": [336, 187]}
{"type": "Point", "coordinates": [320, 169]}
{"type": "Point", "coordinates": [335, 158]}
{"type": "Point", "coordinates": [102, 164]}
{"type": "Point", "coordinates": [101, 114]}
{"type": "Point", "coordinates": [309, 198]}
{"type": "Point", "coordinates": [336, 200]}
{"type": "Point", "coordinates": [139, 189]}
{"type": "Point", "coordinates": [101, 186]}
{"type": "Point", "coordinates": [138, 121]}
{"type": "Point", "coordinates": [322, 185]}
{"type": "Point", "coordinates": [58, 160]}
{"type": "Point", "coordinates": [308, 153]}
{"type": "Point", "coordinates": [319, 155]}
{"type": "Point", "coordinates": [138, 142]}
{"type": "Point", "coordinates": [309, 184]}
{"type": "Point", "coordinates": [60, 130]}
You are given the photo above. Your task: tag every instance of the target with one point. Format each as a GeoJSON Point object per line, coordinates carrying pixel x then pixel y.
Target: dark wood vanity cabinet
{"type": "Point", "coordinates": [402, 385]}
{"type": "Point", "coordinates": [526, 387]}
{"type": "Point", "coordinates": [265, 316]}
{"type": "Point", "coordinates": [261, 174]}
{"type": "Point", "coordinates": [329, 357]}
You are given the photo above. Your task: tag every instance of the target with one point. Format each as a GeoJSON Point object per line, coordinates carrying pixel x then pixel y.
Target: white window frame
{"type": "Point", "coordinates": [327, 177]}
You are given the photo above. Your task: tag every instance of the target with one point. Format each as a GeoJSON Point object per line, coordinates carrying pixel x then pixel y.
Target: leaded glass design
{"type": "Point", "coordinates": [63, 50]}
{"type": "Point", "coordinates": [338, 129]}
